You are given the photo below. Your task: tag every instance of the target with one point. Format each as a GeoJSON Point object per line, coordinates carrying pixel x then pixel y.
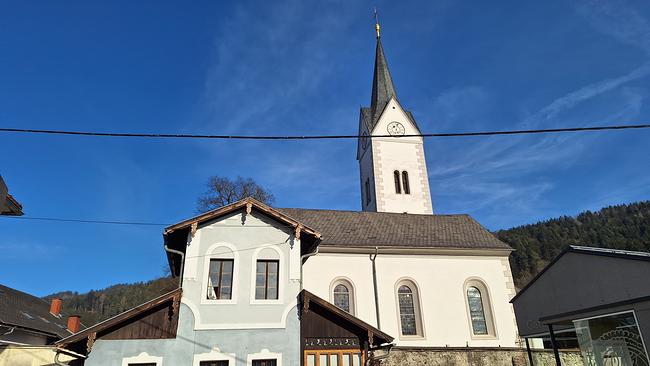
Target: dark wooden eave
{"type": "Point", "coordinates": [89, 335]}
{"type": "Point", "coordinates": [307, 300]}
{"type": "Point", "coordinates": [175, 236]}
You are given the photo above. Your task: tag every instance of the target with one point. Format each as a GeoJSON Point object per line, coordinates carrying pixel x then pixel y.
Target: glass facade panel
{"type": "Point", "coordinates": [611, 340]}
{"type": "Point", "coordinates": [322, 360]}
{"type": "Point", "coordinates": [334, 360]}
{"type": "Point", "coordinates": [356, 360]}
{"type": "Point", "coordinates": [346, 360]}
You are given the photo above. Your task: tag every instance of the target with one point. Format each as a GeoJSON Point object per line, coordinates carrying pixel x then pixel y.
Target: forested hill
{"type": "Point", "coordinates": [95, 306]}
{"type": "Point", "coordinates": [619, 227]}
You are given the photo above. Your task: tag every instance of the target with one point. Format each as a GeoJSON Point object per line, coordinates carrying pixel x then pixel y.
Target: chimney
{"type": "Point", "coordinates": [55, 307]}
{"type": "Point", "coordinates": [74, 322]}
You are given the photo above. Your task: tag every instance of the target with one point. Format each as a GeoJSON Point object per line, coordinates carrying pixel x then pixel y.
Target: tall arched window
{"type": "Point", "coordinates": [477, 314]}
{"type": "Point", "coordinates": [478, 306]}
{"type": "Point", "coordinates": [405, 182]}
{"type": "Point", "coordinates": [398, 186]}
{"type": "Point", "coordinates": [343, 295]}
{"type": "Point", "coordinates": [409, 309]}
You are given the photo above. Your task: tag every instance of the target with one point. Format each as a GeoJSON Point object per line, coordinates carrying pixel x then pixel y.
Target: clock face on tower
{"type": "Point", "coordinates": [395, 129]}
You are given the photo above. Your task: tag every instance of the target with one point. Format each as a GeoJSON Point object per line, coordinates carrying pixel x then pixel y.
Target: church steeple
{"type": "Point", "coordinates": [382, 83]}
{"type": "Point", "coordinates": [393, 171]}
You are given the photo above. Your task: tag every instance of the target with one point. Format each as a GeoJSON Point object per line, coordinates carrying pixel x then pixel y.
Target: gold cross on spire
{"type": "Point", "coordinates": [377, 27]}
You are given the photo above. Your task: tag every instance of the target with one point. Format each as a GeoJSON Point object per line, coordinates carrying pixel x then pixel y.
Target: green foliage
{"type": "Point", "coordinates": [95, 306]}
{"type": "Point", "coordinates": [624, 227]}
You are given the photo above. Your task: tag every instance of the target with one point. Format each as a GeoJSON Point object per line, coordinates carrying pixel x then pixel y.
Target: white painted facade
{"type": "Point", "coordinates": [383, 156]}
{"type": "Point", "coordinates": [441, 281]}
{"type": "Point", "coordinates": [245, 238]}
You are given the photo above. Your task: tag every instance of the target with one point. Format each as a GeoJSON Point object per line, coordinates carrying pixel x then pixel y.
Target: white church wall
{"type": "Point", "coordinates": [440, 280]}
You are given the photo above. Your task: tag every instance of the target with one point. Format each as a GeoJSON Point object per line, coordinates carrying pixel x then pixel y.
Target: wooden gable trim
{"type": "Point", "coordinates": [92, 333]}
{"type": "Point", "coordinates": [371, 332]}
{"type": "Point", "coordinates": [249, 204]}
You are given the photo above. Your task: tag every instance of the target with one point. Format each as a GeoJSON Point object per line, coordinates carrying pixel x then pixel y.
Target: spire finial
{"type": "Point", "coordinates": [377, 27]}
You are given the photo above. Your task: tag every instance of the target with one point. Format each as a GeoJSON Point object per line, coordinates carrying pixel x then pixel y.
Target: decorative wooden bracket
{"type": "Point", "coordinates": [305, 303]}
{"type": "Point", "coordinates": [298, 230]}
{"type": "Point", "coordinates": [91, 341]}
{"type": "Point", "coordinates": [249, 208]}
{"type": "Point", "coordinates": [371, 337]}
{"type": "Point", "coordinates": [195, 226]}
{"type": "Point", "coordinates": [176, 303]}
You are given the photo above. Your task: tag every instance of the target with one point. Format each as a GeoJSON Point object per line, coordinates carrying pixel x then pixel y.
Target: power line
{"type": "Point", "coordinates": [86, 221]}
{"type": "Point", "coordinates": [317, 137]}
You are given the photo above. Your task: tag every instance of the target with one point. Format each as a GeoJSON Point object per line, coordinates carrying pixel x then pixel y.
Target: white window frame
{"type": "Point", "coordinates": [417, 306]}
{"type": "Point", "coordinates": [282, 276]}
{"type": "Point", "coordinates": [352, 292]}
{"type": "Point", "coordinates": [213, 252]}
{"type": "Point", "coordinates": [488, 311]}
{"type": "Point", "coordinates": [143, 357]}
{"type": "Point", "coordinates": [215, 355]}
{"type": "Point", "coordinates": [264, 354]}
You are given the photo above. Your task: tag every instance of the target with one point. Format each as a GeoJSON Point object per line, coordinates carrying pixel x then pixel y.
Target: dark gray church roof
{"type": "Point", "coordinates": [383, 229]}
{"type": "Point", "coordinates": [21, 309]}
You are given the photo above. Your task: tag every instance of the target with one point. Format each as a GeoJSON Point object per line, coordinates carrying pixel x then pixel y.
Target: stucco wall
{"type": "Point", "coordinates": [244, 238]}
{"type": "Point", "coordinates": [440, 280]}
{"type": "Point", "coordinates": [478, 357]}
{"type": "Point", "coordinates": [238, 344]}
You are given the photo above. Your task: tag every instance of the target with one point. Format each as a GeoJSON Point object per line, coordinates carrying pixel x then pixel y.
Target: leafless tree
{"type": "Point", "coordinates": [223, 191]}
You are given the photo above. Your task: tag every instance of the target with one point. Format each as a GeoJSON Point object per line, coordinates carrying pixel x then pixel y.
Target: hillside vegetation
{"type": "Point", "coordinates": [95, 306]}
{"type": "Point", "coordinates": [620, 227]}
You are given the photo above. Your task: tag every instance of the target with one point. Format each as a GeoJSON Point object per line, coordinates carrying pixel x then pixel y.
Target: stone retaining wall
{"type": "Point", "coordinates": [474, 356]}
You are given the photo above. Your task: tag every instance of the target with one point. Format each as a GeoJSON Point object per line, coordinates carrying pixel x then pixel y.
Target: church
{"type": "Point", "coordinates": [265, 286]}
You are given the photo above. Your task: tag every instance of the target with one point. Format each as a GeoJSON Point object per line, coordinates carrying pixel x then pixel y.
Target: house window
{"type": "Point", "coordinates": [408, 301]}
{"type": "Point", "coordinates": [220, 279]}
{"type": "Point", "coordinates": [367, 191]}
{"type": "Point", "coordinates": [405, 182]}
{"type": "Point", "coordinates": [343, 296]}
{"type": "Point", "coordinates": [346, 357]}
{"type": "Point", "coordinates": [398, 186]}
{"type": "Point", "coordinates": [269, 362]}
{"type": "Point", "coordinates": [213, 363]}
{"type": "Point", "coordinates": [266, 280]}
{"type": "Point", "coordinates": [479, 325]}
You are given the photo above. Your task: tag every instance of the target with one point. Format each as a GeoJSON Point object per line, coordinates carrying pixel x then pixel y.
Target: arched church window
{"type": "Point", "coordinates": [479, 308]}
{"type": "Point", "coordinates": [398, 186]}
{"type": "Point", "coordinates": [479, 325]}
{"type": "Point", "coordinates": [405, 182]}
{"type": "Point", "coordinates": [409, 309]}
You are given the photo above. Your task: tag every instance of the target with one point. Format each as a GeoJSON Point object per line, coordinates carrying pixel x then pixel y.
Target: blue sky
{"type": "Point", "coordinates": [302, 67]}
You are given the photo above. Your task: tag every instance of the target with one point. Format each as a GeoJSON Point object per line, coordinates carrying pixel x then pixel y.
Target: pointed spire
{"type": "Point", "coordinates": [382, 83]}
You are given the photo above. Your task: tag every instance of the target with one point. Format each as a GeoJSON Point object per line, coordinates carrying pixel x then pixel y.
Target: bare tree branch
{"type": "Point", "coordinates": [222, 191]}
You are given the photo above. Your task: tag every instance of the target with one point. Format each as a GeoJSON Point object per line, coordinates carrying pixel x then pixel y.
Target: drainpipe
{"type": "Point", "coordinates": [174, 251]}
{"type": "Point", "coordinates": [302, 261]}
{"type": "Point", "coordinates": [374, 282]}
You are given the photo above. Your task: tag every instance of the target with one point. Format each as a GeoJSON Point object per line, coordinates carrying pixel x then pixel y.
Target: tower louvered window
{"type": "Point", "coordinates": [405, 182]}
{"type": "Point", "coordinates": [398, 186]}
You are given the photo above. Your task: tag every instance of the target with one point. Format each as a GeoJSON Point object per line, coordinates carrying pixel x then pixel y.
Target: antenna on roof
{"type": "Point", "coordinates": [377, 27]}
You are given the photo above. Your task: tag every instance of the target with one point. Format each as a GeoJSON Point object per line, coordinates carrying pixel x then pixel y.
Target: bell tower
{"type": "Point", "coordinates": [393, 169]}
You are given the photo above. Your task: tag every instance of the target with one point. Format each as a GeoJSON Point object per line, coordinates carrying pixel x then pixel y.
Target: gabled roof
{"type": "Point", "coordinates": [616, 253]}
{"type": "Point", "coordinates": [23, 310]}
{"type": "Point", "coordinates": [8, 205]}
{"type": "Point", "coordinates": [176, 235]}
{"type": "Point", "coordinates": [385, 229]}
{"type": "Point", "coordinates": [123, 318]}
{"type": "Point", "coordinates": [307, 299]}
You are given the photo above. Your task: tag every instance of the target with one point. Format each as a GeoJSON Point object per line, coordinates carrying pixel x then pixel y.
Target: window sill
{"type": "Point", "coordinates": [218, 302]}
{"type": "Point", "coordinates": [266, 302]}
{"type": "Point", "coordinates": [483, 337]}
{"type": "Point", "coordinates": [411, 337]}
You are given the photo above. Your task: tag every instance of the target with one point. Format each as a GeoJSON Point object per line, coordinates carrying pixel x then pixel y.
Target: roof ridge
{"type": "Point", "coordinates": [372, 212]}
